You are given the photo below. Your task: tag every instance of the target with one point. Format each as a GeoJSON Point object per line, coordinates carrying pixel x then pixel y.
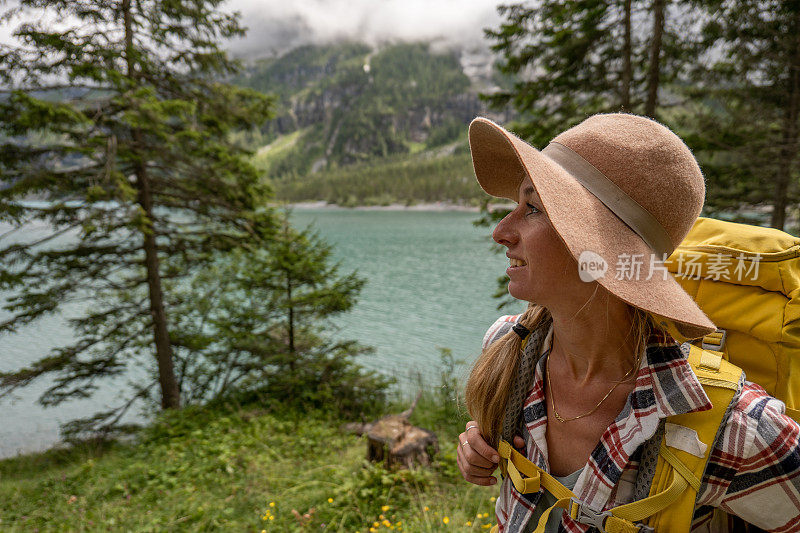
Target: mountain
{"type": "Point", "coordinates": [348, 103]}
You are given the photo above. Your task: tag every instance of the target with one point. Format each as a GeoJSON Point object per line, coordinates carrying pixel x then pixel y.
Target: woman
{"type": "Point", "coordinates": [583, 380]}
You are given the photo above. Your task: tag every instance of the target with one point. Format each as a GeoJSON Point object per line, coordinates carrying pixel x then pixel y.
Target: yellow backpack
{"type": "Point", "coordinates": [747, 280]}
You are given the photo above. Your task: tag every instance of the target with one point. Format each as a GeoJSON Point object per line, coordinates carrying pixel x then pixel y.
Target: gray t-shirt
{"type": "Point", "coordinates": [548, 500]}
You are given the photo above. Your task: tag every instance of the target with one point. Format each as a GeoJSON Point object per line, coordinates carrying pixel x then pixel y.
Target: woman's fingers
{"type": "Point", "coordinates": [471, 457]}
{"type": "Point", "coordinates": [474, 474]}
{"type": "Point", "coordinates": [473, 469]}
{"type": "Point", "coordinates": [476, 459]}
{"type": "Point", "coordinates": [478, 451]}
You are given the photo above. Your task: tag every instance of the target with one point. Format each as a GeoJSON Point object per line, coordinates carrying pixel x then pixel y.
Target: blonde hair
{"type": "Point", "coordinates": [492, 376]}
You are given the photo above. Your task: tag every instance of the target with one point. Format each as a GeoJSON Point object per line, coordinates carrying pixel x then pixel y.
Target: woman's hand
{"type": "Point", "coordinates": [476, 459]}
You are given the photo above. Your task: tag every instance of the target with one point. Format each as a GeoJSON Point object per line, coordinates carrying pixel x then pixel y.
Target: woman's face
{"type": "Point", "coordinates": [541, 268]}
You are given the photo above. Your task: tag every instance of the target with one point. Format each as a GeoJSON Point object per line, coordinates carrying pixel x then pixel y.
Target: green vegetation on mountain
{"type": "Point", "coordinates": [429, 176]}
{"type": "Point", "coordinates": [347, 104]}
{"type": "Point", "coordinates": [302, 67]}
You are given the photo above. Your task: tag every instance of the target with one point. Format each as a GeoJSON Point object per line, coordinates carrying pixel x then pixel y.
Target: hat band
{"type": "Point", "coordinates": [626, 208]}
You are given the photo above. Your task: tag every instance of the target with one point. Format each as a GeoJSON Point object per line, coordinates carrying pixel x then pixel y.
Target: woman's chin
{"type": "Point", "coordinates": [520, 293]}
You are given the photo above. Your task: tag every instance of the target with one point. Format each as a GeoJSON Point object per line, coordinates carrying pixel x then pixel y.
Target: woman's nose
{"type": "Point", "coordinates": [505, 233]}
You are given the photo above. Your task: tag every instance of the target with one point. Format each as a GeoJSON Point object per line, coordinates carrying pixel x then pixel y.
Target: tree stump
{"type": "Point", "coordinates": [395, 441]}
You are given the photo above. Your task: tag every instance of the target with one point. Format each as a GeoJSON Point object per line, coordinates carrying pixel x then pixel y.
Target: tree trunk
{"type": "Point", "coordinates": [654, 71]}
{"type": "Point", "coordinates": [627, 70]}
{"type": "Point", "coordinates": [170, 393]}
{"type": "Point", "coordinates": [788, 152]}
{"type": "Point", "coordinates": [290, 320]}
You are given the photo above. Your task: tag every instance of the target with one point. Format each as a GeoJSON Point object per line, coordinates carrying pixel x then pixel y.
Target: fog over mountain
{"type": "Point", "coordinates": [277, 25]}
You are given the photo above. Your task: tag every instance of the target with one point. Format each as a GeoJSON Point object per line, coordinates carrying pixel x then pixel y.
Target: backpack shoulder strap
{"type": "Point", "coordinates": [720, 380]}
{"type": "Point", "coordinates": [670, 503]}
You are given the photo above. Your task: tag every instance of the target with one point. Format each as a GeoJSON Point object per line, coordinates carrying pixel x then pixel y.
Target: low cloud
{"type": "Point", "coordinates": [277, 25]}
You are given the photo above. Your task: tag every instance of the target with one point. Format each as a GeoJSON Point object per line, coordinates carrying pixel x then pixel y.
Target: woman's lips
{"type": "Point", "coordinates": [515, 264]}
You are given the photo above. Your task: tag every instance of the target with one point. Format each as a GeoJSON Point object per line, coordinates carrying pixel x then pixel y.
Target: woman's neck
{"type": "Point", "coordinates": [592, 345]}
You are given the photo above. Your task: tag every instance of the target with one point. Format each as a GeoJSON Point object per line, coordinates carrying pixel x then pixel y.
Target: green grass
{"type": "Point", "coordinates": [220, 469]}
{"type": "Point", "coordinates": [416, 147]}
{"type": "Point", "coordinates": [267, 156]}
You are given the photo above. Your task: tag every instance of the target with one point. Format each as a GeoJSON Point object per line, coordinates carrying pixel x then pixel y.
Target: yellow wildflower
{"type": "Point", "coordinates": [385, 508]}
{"type": "Point", "coordinates": [386, 523]}
{"type": "Point", "coordinates": [492, 499]}
{"type": "Point", "coordinates": [372, 529]}
{"type": "Point", "coordinates": [272, 517]}
{"type": "Point", "coordinates": [381, 517]}
{"type": "Point", "coordinates": [272, 504]}
{"type": "Point", "coordinates": [486, 526]}
{"type": "Point", "coordinates": [446, 520]}
{"type": "Point", "coordinates": [330, 500]}
{"type": "Point", "coordinates": [468, 523]}
{"type": "Point", "coordinates": [426, 508]}
{"type": "Point", "coordinates": [376, 524]}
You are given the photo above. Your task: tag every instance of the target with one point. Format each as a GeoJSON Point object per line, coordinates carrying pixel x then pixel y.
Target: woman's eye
{"type": "Point", "coordinates": [531, 209]}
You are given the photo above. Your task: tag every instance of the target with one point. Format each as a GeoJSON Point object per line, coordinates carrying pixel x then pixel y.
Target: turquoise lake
{"type": "Point", "coordinates": [430, 279]}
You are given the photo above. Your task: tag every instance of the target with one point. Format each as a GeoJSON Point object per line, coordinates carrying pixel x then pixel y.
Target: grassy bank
{"type": "Point", "coordinates": [243, 468]}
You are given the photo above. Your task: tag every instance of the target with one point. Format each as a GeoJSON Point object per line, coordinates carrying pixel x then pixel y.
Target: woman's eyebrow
{"type": "Point", "coordinates": [530, 193]}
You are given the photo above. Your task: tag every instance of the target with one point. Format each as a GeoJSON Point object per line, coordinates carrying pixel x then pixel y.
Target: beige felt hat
{"type": "Point", "coordinates": [618, 186]}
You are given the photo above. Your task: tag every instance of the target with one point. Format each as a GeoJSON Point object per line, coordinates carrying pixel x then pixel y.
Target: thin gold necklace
{"type": "Point", "coordinates": [596, 407]}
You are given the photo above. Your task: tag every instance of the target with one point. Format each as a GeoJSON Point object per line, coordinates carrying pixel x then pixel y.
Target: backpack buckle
{"type": "Point", "coordinates": [715, 341]}
{"type": "Point", "coordinates": [587, 516]}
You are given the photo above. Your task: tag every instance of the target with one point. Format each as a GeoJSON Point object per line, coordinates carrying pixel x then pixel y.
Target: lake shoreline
{"type": "Point", "coordinates": [423, 206]}
{"type": "Point", "coordinates": [431, 206]}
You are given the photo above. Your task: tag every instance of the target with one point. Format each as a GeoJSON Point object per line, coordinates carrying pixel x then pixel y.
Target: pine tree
{"type": "Point", "coordinates": [256, 322]}
{"type": "Point", "coordinates": [134, 167]}
{"type": "Point", "coordinates": [746, 111]}
{"type": "Point", "coordinates": [570, 59]}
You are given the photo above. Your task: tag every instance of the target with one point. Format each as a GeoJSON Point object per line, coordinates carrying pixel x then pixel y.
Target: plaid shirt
{"type": "Point", "coordinates": [753, 471]}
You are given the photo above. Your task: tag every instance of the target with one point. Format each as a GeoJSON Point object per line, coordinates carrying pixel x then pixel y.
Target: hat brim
{"type": "Point", "coordinates": [502, 160]}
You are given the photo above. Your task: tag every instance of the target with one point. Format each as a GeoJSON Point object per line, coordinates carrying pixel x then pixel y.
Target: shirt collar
{"type": "Point", "coordinates": [665, 386]}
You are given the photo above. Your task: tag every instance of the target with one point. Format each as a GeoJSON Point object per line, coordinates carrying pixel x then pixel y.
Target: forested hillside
{"type": "Point", "coordinates": [349, 105]}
